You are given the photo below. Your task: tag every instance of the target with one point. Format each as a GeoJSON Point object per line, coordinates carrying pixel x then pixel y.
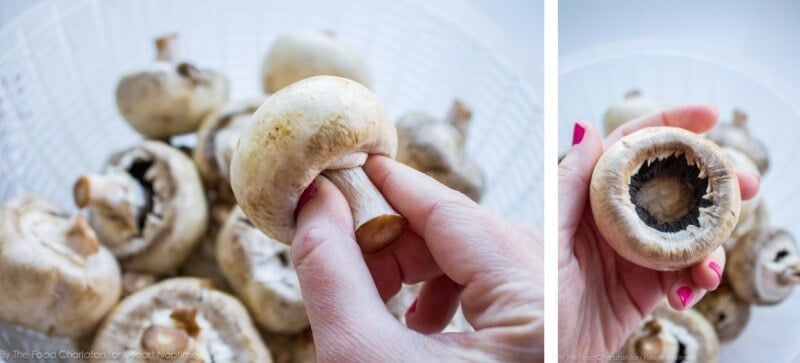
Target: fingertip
{"type": "Point", "coordinates": [749, 183]}
{"type": "Point", "coordinates": [684, 295]}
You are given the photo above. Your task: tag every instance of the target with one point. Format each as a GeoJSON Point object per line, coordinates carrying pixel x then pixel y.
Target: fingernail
{"type": "Point", "coordinates": [685, 294]}
{"type": "Point", "coordinates": [577, 133]}
{"type": "Point", "coordinates": [306, 197]}
{"type": "Point", "coordinates": [412, 308]}
{"type": "Point", "coordinates": [717, 269]}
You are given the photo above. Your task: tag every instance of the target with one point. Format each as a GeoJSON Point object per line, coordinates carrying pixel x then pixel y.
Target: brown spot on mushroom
{"type": "Point", "coordinates": [186, 316]}
{"type": "Point", "coordinates": [164, 341]}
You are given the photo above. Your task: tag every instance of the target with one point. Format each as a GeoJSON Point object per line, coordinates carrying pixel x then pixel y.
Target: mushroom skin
{"type": "Point", "coordinates": [436, 147]}
{"type": "Point", "coordinates": [736, 135]}
{"type": "Point", "coordinates": [747, 209]}
{"type": "Point", "coordinates": [672, 336]}
{"type": "Point", "coordinates": [321, 125]}
{"type": "Point", "coordinates": [759, 219]}
{"type": "Point", "coordinates": [167, 99]}
{"type": "Point", "coordinates": [764, 266]}
{"type": "Point", "coordinates": [202, 262]}
{"type": "Point", "coordinates": [633, 106]}
{"type": "Point", "coordinates": [54, 275]}
{"type": "Point", "coordinates": [725, 311]}
{"type": "Point", "coordinates": [182, 320]}
{"type": "Point", "coordinates": [307, 53]}
{"type": "Point", "coordinates": [663, 222]}
{"type": "Point", "coordinates": [261, 273]}
{"type": "Point", "coordinates": [148, 206]}
{"type": "Point", "coordinates": [216, 141]}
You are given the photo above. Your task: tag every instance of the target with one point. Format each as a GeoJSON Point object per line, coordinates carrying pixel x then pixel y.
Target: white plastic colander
{"type": "Point", "coordinates": [60, 63]}
{"type": "Point", "coordinates": [673, 73]}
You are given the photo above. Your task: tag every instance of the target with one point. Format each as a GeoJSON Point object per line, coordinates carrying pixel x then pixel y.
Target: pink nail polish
{"type": "Point", "coordinates": [717, 269]}
{"type": "Point", "coordinates": [412, 308]}
{"type": "Point", "coordinates": [685, 294]}
{"type": "Point", "coordinates": [577, 133]}
{"type": "Point", "coordinates": [306, 197]}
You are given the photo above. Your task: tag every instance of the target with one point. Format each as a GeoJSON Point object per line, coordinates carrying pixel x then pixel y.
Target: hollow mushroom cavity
{"type": "Point", "coordinates": [764, 266]}
{"type": "Point", "coordinates": [54, 276]}
{"type": "Point", "coordinates": [664, 197]}
{"type": "Point", "coordinates": [147, 206]}
{"type": "Point", "coordinates": [321, 125]}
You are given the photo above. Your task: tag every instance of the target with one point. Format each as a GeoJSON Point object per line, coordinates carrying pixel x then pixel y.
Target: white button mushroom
{"type": "Point", "coordinates": [216, 141]}
{"type": "Point", "coordinates": [179, 319]}
{"type": "Point", "coordinates": [632, 107]}
{"type": "Point", "coordinates": [672, 336]}
{"type": "Point", "coordinates": [764, 266]}
{"type": "Point", "coordinates": [202, 262]}
{"type": "Point", "coordinates": [664, 197]}
{"type": "Point", "coordinates": [727, 312]}
{"type": "Point", "coordinates": [436, 147]}
{"type": "Point", "coordinates": [736, 135]}
{"type": "Point", "coordinates": [747, 211]}
{"type": "Point", "coordinates": [168, 99]}
{"type": "Point", "coordinates": [148, 206]}
{"type": "Point", "coordinates": [260, 272]}
{"type": "Point", "coordinates": [323, 124]}
{"type": "Point", "coordinates": [302, 54]}
{"type": "Point", "coordinates": [54, 276]}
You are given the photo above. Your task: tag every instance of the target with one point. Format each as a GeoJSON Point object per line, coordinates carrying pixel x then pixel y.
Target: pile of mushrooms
{"type": "Point", "coordinates": [436, 147]}
{"type": "Point", "coordinates": [633, 106]}
{"type": "Point", "coordinates": [142, 272]}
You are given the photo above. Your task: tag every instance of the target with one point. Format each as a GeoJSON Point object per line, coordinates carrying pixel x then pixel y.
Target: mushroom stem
{"type": "Point", "coordinates": [739, 118]}
{"type": "Point", "coordinates": [377, 224]}
{"type": "Point", "coordinates": [80, 237]}
{"type": "Point", "coordinates": [166, 47]}
{"type": "Point", "coordinates": [187, 317]}
{"type": "Point", "coordinates": [791, 276]}
{"type": "Point", "coordinates": [119, 193]}
{"type": "Point", "coordinates": [164, 341]}
{"type": "Point", "coordinates": [459, 116]}
{"type": "Point", "coordinates": [633, 94]}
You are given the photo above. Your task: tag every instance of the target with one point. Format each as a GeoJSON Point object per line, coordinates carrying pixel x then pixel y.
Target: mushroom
{"type": "Point", "coordinates": [747, 210]}
{"type": "Point", "coordinates": [303, 54]}
{"type": "Point", "coordinates": [54, 275]}
{"type": "Point", "coordinates": [725, 311]}
{"type": "Point", "coordinates": [664, 197]}
{"type": "Point", "coordinates": [436, 147]}
{"type": "Point", "coordinates": [327, 125]}
{"type": "Point", "coordinates": [147, 206]}
{"type": "Point", "coordinates": [633, 106]}
{"type": "Point", "coordinates": [758, 219]}
{"type": "Point", "coordinates": [735, 135]}
{"type": "Point", "coordinates": [296, 348]}
{"type": "Point", "coordinates": [764, 266]}
{"type": "Point", "coordinates": [134, 281]}
{"type": "Point", "coordinates": [261, 273]}
{"type": "Point", "coordinates": [179, 319]}
{"type": "Point", "coordinates": [202, 262]}
{"type": "Point", "coordinates": [168, 99]}
{"type": "Point", "coordinates": [216, 141]}
{"type": "Point", "coordinates": [672, 336]}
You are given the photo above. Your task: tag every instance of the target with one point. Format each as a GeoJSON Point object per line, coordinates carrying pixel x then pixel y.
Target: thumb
{"type": "Point", "coordinates": [346, 312]}
{"type": "Point", "coordinates": [574, 176]}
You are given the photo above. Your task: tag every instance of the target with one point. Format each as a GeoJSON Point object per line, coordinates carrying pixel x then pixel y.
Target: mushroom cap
{"type": "Point", "coordinates": [302, 54]}
{"type": "Point", "coordinates": [725, 311]}
{"type": "Point", "coordinates": [757, 265]}
{"type": "Point", "coordinates": [173, 224]}
{"type": "Point", "coordinates": [216, 141]}
{"type": "Point", "coordinates": [207, 325]}
{"type": "Point", "coordinates": [633, 106]}
{"type": "Point", "coordinates": [167, 99]}
{"type": "Point", "coordinates": [618, 218]}
{"type": "Point", "coordinates": [676, 332]}
{"type": "Point", "coordinates": [436, 147]}
{"type": "Point", "coordinates": [748, 207]}
{"type": "Point", "coordinates": [736, 135]}
{"type": "Point", "coordinates": [202, 262]}
{"type": "Point", "coordinates": [260, 271]}
{"type": "Point", "coordinates": [48, 283]}
{"type": "Point", "coordinates": [759, 219]}
{"type": "Point", "coordinates": [316, 124]}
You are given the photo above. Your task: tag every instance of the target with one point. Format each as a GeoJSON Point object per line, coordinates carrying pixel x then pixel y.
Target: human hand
{"type": "Point", "coordinates": [602, 296]}
{"type": "Point", "coordinates": [462, 253]}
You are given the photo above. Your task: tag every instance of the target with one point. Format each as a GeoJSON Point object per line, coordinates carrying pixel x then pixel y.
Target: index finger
{"type": "Point", "coordinates": [695, 118]}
